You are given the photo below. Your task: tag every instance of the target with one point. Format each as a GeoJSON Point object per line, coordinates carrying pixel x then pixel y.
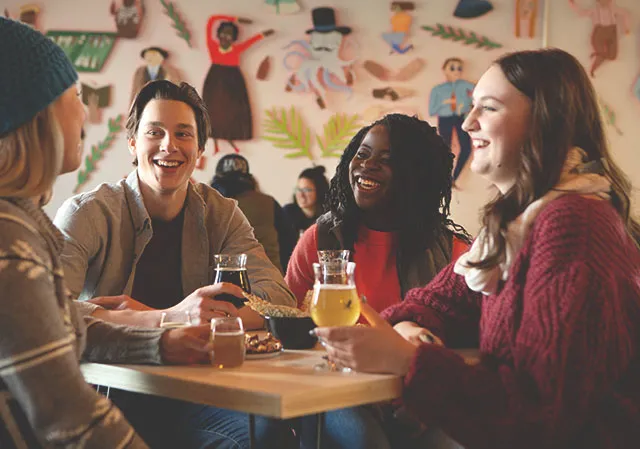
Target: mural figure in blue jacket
{"type": "Point", "coordinates": [450, 102]}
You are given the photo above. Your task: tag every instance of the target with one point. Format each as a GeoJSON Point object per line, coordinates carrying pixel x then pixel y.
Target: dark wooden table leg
{"type": "Point", "coordinates": [320, 422]}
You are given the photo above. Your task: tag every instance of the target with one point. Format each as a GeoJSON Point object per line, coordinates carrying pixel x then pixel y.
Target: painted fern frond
{"type": "Point", "coordinates": [97, 152]}
{"type": "Point", "coordinates": [338, 131]}
{"type": "Point", "coordinates": [460, 35]}
{"type": "Point", "coordinates": [609, 115]}
{"type": "Point", "coordinates": [178, 23]}
{"type": "Point", "coordinates": [286, 130]}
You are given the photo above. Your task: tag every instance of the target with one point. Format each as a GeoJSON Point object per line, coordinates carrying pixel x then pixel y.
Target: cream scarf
{"type": "Point", "coordinates": [576, 177]}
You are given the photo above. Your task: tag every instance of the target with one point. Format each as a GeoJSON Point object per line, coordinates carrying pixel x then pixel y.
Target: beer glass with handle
{"type": "Point", "coordinates": [335, 300]}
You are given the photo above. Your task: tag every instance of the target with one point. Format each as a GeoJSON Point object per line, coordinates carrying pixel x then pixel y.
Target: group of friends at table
{"type": "Point", "coordinates": [548, 290]}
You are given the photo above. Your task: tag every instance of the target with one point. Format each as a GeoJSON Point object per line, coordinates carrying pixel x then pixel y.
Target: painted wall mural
{"type": "Point", "coordinates": [608, 20]}
{"type": "Point", "coordinates": [286, 129]}
{"type": "Point", "coordinates": [225, 90]}
{"type": "Point", "coordinates": [282, 6]}
{"type": "Point", "coordinates": [320, 66]}
{"type": "Point", "coordinates": [525, 18]}
{"type": "Point", "coordinates": [404, 73]}
{"type": "Point", "coordinates": [177, 22]}
{"type": "Point", "coordinates": [451, 102]}
{"type": "Point", "coordinates": [96, 99]}
{"type": "Point", "coordinates": [401, 20]}
{"type": "Point", "coordinates": [461, 35]}
{"type": "Point", "coordinates": [128, 17]}
{"type": "Point", "coordinates": [28, 15]}
{"type": "Point", "coordinates": [155, 68]}
{"type": "Point", "coordinates": [470, 9]}
{"type": "Point", "coordinates": [115, 125]}
{"type": "Point", "coordinates": [87, 50]}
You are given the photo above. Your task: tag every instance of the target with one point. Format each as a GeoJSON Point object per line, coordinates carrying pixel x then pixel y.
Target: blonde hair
{"type": "Point", "coordinates": [31, 157]}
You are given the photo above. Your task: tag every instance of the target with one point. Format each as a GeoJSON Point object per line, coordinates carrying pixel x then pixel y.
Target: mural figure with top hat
{"type": "Point", "coordinates": [225, 90]}
{"type": "Point", "coordinates": [320, 65]}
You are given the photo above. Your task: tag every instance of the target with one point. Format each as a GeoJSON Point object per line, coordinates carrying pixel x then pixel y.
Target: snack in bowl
{"type": "Point", "coordinates": [265, 308]}
{"type": "Point", "coordinates": [289, 324]}
{"type": "Point", "coordinates": [265, 344]}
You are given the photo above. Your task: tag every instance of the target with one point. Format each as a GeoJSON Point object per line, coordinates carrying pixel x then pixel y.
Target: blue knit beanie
{"type": "Point", "coordinates": [33, 73]}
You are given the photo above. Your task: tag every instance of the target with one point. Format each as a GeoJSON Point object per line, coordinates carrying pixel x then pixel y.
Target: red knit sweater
{"type": "Point", "coordinates": [559, 343]}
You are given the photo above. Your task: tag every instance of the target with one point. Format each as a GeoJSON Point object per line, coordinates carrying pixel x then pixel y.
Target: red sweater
{"type": "Point", "coordinates": [559, 342]}
{"type": "Point", "coordinates": [230, 57]}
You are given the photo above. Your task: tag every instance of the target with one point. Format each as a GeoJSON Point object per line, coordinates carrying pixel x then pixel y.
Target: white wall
{"type": "Point", "coordinates": [368, 18]}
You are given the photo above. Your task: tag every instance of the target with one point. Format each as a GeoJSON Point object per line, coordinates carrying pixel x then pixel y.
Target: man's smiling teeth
{"type": "Point", "coordinates": [170, 164]}
{"type": "Point", "coordinates": [367, 184]}
{"type": "Point", "coordinates": [480, 143]}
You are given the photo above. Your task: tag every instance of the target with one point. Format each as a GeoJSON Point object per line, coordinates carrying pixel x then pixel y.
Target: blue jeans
{"type": "Point", "coordinates": [365, 428]}
{"type": "Point", "coordinates": [446, 125]}
{"type": "Point", "coordinates": [169, 423]}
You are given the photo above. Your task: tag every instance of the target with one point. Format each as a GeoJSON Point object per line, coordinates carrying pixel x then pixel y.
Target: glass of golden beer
{"type": "Point", "coordinates": [227, 334]}
{"type": "Point", "coordinates": [335, 299]}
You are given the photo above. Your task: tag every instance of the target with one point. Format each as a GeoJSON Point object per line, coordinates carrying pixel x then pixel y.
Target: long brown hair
{"type": "Point", "coordinates": [564, 114]}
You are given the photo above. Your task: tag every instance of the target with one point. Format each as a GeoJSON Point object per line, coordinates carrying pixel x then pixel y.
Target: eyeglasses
{"type": "Point", "coordinates": [304, 190]}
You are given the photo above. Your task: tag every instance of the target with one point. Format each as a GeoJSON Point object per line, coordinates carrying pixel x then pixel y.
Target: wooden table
{"type": "Point", "coordinates": [286, 386]}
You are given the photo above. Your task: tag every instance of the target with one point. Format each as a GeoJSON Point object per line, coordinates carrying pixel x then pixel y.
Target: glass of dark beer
{"type": "Point", "coordinates": [232, 268]}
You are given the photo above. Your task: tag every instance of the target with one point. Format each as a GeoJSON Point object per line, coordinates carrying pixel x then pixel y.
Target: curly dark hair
{"type": "Point", "coordinates": [421, 186]}
{"type": "Point", "coordinates": [234, 29]}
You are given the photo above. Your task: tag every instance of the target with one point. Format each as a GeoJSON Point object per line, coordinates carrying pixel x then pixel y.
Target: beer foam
{"type": "Point", "coordinates": [335, 287]}
{"type": "Point", "coordinates": [228, 334]}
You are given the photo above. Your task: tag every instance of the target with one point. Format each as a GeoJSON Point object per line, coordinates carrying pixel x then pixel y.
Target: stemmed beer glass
{"type": "Point", "coordinates": [335, 300]}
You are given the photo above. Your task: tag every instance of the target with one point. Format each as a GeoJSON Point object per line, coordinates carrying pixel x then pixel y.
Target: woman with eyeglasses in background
{"type": "Point", "coordinates": [308, 199]}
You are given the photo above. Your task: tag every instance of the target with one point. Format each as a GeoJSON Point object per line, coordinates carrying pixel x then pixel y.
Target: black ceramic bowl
{"type": "Point", "coordinates": [292, 332]}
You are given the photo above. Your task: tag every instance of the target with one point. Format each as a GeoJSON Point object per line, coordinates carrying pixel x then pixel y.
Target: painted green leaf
{"type": "Point", "coordinates": [338, 131]}
{"type": "Point", "coordinates": [461, 35]}
{"type": "Point", "coordinates": [177, 22]}
{"type": "Point", "coordinates": [285, 129]}
{"type": "Point", "coordinates": [97, 151]}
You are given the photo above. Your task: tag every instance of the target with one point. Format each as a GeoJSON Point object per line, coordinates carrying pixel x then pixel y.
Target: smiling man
{"type": "Point", "coordinates": [152, 236]}
{"type": "Point", "coordinates": [145, 245]}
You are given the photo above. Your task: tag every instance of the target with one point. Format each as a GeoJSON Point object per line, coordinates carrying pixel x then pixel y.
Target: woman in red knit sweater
{"type": "Point", "coordinates": [550, 286]}
{"type": "Point", "coordinates": [389, 204]}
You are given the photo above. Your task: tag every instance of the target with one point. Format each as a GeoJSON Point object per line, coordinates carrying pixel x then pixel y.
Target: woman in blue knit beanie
{"type": "Point", "coordinates": [44, 399]}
